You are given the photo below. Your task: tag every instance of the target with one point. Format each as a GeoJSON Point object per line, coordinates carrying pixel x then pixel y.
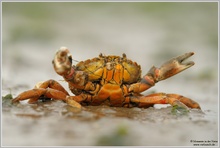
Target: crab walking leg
{"type": "Point", "coordinates": [79, 98]}
{"type": "Point", "coordinates": [51, 84]}
{"type": "Point", "coordinates": [48, 92]}
{"type": "Point", "coordinates": [48, 84]}
{"type": "Point", "coordinates": [43, 85]}
{"type": "Point", "coordinates": [162, 98]}
{"type": "Point", "coordinates": [38, 92]}
{"type": "Point", "coordinates": [50, 89]}
{"type": "Point", "coordinates": [187, 101]}
{"type": "Point", "coordinates": [168, 69]}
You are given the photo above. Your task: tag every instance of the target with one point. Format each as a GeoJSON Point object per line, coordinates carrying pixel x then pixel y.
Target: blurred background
{"type": "Point", "coordinates": [150, 33]}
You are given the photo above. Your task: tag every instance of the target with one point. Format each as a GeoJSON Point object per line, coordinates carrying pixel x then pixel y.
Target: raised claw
{"type": "Point", "coordinates": [182, 58]}
{"type": "Point", "coordinates": [62, 61]}
{"type": "Point", "coordinates": [174, 66]}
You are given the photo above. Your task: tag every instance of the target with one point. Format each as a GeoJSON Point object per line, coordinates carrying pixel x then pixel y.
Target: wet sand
{"type": "Point", "coordinates": [149, 34]}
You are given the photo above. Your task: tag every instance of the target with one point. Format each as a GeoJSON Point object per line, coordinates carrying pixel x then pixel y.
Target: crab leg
{"type": "Point", "coordinates": [51, 84]}
{"type": "Point", "coordinates": [168, 69]}
{"type": "Point", "coordinates": [162, 98]}
{"type": "Point", "coordinates": [49, 89]}
{"type": "Point", "coordinates": [38, 92]}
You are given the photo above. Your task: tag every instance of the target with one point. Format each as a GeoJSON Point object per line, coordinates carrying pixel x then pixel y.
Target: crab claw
{"type": "Point", "coordinates": [62, 61]}
{"type": "Point", "coordinates": [174, 66]}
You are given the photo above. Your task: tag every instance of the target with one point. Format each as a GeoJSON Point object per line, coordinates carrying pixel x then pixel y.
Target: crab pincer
{"type": "Point", "coordinates": [62, 61]}
{"type": "Point", "coordinates": [174, 66]}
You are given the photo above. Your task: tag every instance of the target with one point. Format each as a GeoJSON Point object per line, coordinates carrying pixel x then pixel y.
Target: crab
{"type": "Point", "coordinates": [109, 80]}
